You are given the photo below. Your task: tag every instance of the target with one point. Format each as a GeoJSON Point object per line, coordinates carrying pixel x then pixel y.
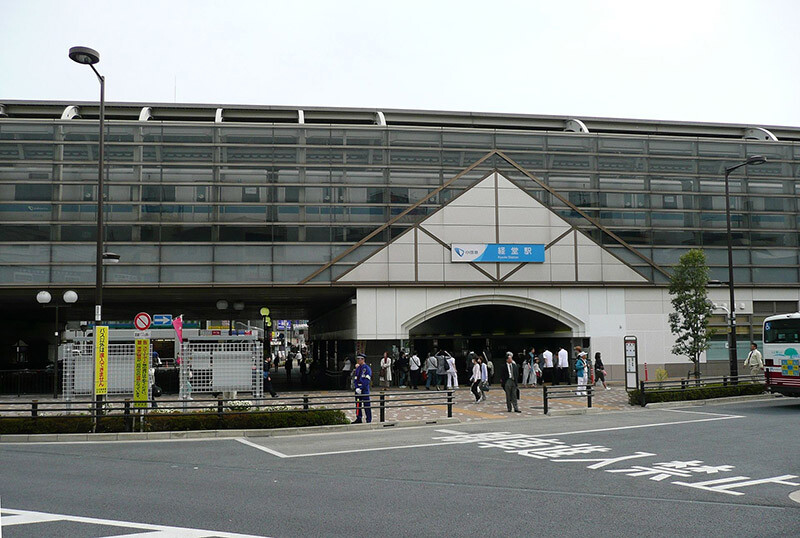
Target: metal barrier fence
{"type": "Point", "coordinates": [682, 385]}
{"type": "Point", "coordinates": [222, 406]}
{"type": "Point", "coordinates": [208, 367]}
{"type": "Point", "coordinates": [21, 382]}
{"type": "Point", "coordinates": [556, 392]}
{"type": "Point", "coordinates": [78, 368]}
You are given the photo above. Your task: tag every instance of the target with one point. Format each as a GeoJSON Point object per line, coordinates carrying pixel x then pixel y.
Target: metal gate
{"type": "Point", "coordinates": [221, 366]}
{"type": "Point", "coordinates": [78, 362]}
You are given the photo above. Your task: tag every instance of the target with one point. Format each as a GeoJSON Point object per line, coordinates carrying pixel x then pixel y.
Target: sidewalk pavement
{"type": "Point", "coordinates": [464, 406]}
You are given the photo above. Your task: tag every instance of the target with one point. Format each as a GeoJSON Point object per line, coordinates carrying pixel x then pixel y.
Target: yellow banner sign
{"type": "Point", "coordinates": [141, 372]}
{"type": "Point", "coordinates": [101, 360]}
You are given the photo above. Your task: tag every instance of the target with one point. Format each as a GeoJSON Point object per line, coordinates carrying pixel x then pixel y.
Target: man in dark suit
{"type": "Point", "coordinates": [508, 377]}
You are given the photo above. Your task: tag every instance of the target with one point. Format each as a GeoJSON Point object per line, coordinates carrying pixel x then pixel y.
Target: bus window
{"type": "Point", "coordinates": [782, 331]}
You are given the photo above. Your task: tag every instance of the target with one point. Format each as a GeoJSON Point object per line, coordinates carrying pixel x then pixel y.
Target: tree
{"type": "Point", "coordinates": [689, 321]}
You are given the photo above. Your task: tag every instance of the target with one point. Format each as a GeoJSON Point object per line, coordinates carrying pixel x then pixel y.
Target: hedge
{"type": "Point", "coordinates": [173, 422]}
{"type": "Point", "coordinates": [698, 393]}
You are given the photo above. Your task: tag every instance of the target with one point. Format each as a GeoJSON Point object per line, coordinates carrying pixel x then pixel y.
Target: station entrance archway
{"type": "Point", "coordinates": [497, 327]}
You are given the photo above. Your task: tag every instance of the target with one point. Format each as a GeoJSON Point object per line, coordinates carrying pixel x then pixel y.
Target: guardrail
{"type": "Point", "coordinates": [681, 385]}
{"type": "Point", "coordinates": [380, 402]}
{"type": "Point", "coordinates": [556, 392]}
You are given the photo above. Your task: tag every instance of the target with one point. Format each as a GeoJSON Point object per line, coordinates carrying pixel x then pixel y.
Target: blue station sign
{"type": "Point", "coordinates": [497, 252]}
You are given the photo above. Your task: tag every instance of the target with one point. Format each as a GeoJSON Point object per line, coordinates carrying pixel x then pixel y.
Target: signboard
{"type": "Point", "coordinates": [141, 373]}
{"type": "Point", "coordinates": [162, 320]}
{"type": "Point", "coordinates": [284, 325]}
{"type": "Point", "coordinates": [101, 360]}
{"type": "Point", "coordinates": [142, 321]}
{"type": "Point", "coordinates": [631, 363]}
{"type": "Point", "coordinates": [497, 252]}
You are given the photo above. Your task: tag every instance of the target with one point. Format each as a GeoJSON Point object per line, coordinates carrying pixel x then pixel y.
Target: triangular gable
{"type": "Point", "coordinates": [494, 210]}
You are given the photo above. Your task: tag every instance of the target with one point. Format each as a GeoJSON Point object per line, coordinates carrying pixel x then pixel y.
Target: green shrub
{"type": "Point", "coordinates": [174, 422]}
{"type": "Point", "coordinates": [698, 393]}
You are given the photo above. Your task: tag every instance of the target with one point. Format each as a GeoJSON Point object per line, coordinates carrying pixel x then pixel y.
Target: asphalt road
{"type": "Point", "coordinates": [721, 470]}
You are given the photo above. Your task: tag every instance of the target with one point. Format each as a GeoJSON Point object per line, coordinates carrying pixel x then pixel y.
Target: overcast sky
{"type": "Point", "coordinates": [701, 60]}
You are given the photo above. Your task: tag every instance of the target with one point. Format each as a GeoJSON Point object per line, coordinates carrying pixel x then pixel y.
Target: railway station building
{"type": "Point", "coordinates": [394, 228]}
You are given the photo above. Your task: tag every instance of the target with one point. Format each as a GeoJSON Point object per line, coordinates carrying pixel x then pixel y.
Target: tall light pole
{"type": "Point", "coordinates": [87, 56]}
{"type": "Point", "coordinates": [44, 298]}
{"type": "Point", "coordinates": [732, 355]}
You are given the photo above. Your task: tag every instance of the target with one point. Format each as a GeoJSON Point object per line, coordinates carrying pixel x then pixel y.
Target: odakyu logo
{"type": "Point", "coordinates": [460, 252]}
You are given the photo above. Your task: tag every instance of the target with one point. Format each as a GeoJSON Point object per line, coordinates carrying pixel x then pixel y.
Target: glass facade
{"type": "Point", "coordinates": [250, 203]}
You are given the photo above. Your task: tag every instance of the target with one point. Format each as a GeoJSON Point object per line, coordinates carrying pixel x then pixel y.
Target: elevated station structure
{"type": "Point", "coordinates": [353, 219]}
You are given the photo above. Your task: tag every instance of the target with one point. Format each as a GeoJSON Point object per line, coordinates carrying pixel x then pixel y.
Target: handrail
{"type": "Point", "coordinates": [555, 392]}
{"type": "Point", "coordinates": [680, 385]}
{"type": "Point", "coordinates": [221, 406]}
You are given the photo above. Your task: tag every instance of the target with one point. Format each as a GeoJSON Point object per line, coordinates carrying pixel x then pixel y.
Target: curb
{"type": "Point", "coordinates": [213, 434]}
{"type": "Point", "coordinates": [713, 401]}
{"type": "Point", "coordinates": [566, 412]}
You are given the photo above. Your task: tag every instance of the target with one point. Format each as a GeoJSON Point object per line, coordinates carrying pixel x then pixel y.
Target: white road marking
{"type": "Point", "coordinates": [454, 432]}
{"type": "Point", "coordinates": [29, 517]}
{"type": "Point", "coordinates": [262, 448]}
{"type": "Point", "coordinates": [795, 496]}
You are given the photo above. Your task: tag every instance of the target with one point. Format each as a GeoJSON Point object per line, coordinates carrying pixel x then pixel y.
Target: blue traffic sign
{"type": "Point", "coordinates": [161, 320]}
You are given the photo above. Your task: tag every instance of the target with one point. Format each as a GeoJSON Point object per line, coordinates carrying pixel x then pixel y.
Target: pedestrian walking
{"type": "Point", "coordinates": [363, 379]}
{"type": "Point", "coordinates": [414, 366]}
{"type": "Point", "coordinates": [508, 378]}
{"type": "Point", "coordinates": [346, 370]}
{"type": "Point", "coordinates": [441, 368]}
{"type": "Point", "coordinates": [562, 368]}
{"type": "Point", "coordinates": [600, 371]}
{"type": "Point", "coordinates": [268, 384]}
{"type": "Point", "coordinates": [484, 379]}
{"type": "Point", "coordinates": [475, 379]}
{"type": "Point", "coordinates": [386, 370]}
{"type": "Point", "coordinates": [452, 375]}
{"type": "Point", "coordinates": [581, 371]}
{"type": "Point", "coordinates": [288, 366]}
{"type": "Point", "coordinates": [754, 361]}
{"type": "Point", "coordinates": [403, 370]}
{"type": "Point", "coordinates": [537, 372]}
{"type": "Point", "coordinates": [430, 367]}
{"type": "Point", "coordinates": [527, 370]}
{"type": "Point", "coordinates": [547, 373]}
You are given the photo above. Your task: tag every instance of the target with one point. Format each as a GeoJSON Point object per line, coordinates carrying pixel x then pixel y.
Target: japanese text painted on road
{"type": "Point", "coordinates": [547, 448]}
{"type": "Point", "coordinates": [101, 360]}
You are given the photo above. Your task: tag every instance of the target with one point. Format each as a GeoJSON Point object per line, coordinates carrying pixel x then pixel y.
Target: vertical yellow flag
{"type": "Point", "coordinates": [141, 374]}
{"type": "Point", "coordinates": [101, 360]}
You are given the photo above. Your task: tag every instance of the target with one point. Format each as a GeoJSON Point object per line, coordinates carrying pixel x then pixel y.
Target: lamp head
{"type": "Point", "coordinates": [43, 297]}
{"type": "Point", "coordinates": [84, 55]}
{"type": "Point", "coordinates": [70, 297]}
{"type": "Point", "coordinates": [756, 159]}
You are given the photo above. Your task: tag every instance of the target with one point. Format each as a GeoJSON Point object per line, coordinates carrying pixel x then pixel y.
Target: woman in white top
{"type": "Point", "coordinates": [527, 372]}
{"type": "Point", "coordinates": [476, 380]}
{"type": "Point", "coordinates": [386, 370]}
{"type": "Point", "coordinates": [452, 375]}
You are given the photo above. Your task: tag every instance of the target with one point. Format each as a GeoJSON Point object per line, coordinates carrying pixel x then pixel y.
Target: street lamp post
{"type": "Point", "coordinates": [87, 56]}
{"type": "Point", "coordinates": [44, 298]}
{"type": "Point", "coordinates": [732, 355]}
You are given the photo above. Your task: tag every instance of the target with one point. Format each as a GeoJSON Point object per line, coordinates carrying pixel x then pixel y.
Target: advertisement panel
{"type": "Point", "coordinates": [101, 360]}
{"type": "Point", "coordinates": [497, 252]}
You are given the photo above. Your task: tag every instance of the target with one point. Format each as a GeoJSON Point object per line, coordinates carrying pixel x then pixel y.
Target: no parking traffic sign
{"type": "Point", "coordinates": [142, 321]}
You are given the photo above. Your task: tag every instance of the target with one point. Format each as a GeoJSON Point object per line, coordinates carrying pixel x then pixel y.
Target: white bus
{"type": "Point", "coordinates": [782, 353]}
